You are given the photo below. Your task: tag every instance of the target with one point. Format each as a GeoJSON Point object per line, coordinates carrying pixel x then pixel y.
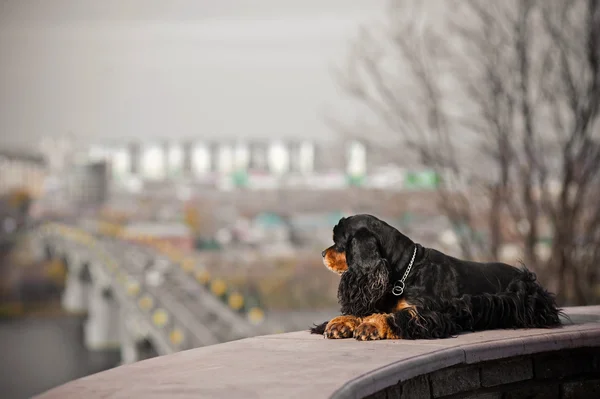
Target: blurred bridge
{"type": "Point", "coordinates": [135, 293]}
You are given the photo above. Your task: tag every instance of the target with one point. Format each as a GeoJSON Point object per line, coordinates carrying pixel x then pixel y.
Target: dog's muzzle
{"type": "Point", "coordinates": [334, 261]}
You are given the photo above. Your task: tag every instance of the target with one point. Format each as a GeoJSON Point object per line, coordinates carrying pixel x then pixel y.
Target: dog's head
{"type": "Point", "coordinates": [364, 252]}
{"type": "Point", "coordinates": [390, 243]}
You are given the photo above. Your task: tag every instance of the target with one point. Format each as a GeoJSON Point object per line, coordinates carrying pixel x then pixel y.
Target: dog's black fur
{"type": "Point", "coordinates": [443, 296]}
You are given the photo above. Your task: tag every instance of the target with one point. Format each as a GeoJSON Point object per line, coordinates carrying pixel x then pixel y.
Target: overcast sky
{"type": "Point", "coordinates": [116, 69]}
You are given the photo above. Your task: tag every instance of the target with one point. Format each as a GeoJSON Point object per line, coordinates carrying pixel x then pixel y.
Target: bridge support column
{"type": "Point", "coordinates": [102, 325]}
{"type": "Point", "coordinates": [129, 346]}
{"type": "Point", "coordinates": [135, 343]}
{"type": "Point", "coordinates": [129, 349]}
{"type": "Point", "coordinates": [75, 298]}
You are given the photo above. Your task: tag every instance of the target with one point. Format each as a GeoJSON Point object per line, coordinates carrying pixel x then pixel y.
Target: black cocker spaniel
{"type": "Point", "coordinates": [392, 287]}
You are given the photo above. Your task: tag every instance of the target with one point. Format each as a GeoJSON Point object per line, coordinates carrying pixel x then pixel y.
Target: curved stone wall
{"type": "Point", "coordinates": [531, 363]}
{"type": "Point", "coordinates": [566, 374]}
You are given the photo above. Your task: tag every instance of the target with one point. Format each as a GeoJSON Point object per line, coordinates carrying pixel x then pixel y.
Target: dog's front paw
{"type": "Point", "coordinates": [373, 328]}
{"type": "Point", "coordinates": [367, 332]}
{"type": "Point", "coordinates": [341, 327]}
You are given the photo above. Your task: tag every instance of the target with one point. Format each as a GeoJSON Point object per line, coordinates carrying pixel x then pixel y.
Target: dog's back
{"type": "Point", "coordinates": [475, 278]}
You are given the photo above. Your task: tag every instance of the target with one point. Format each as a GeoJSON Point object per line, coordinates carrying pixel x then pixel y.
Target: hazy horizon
{"type": "Point", "coordinates": [116, 70]}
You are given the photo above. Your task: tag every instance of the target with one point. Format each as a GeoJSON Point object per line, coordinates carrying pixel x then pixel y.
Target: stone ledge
{"type": "Point", "coordinates": [581, 389]}
{"type": "Point", "coordinates": [507, 378]}
{"type": "Point", "coordinates": [509, 371]}
{"type": "Point", "coordinates": [303, 365]}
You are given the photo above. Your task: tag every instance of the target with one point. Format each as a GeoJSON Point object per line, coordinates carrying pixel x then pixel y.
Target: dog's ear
{"type": "Point", "coordinates": [366, 281]}
{"type": "Point", "coordinates": [394, 246]}
{"type": "Point", "coordinates": [363, 250]}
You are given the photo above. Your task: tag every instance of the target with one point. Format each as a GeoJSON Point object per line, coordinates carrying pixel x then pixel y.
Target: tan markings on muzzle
{"type": "Point", "coordinates": [335, 261]}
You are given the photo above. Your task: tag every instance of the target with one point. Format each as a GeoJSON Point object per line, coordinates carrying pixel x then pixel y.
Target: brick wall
{"type": "Point", "coordinates": [565, 374]}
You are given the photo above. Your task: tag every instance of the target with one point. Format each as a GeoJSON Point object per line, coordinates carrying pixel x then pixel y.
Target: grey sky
{"type": "Point", "coordinates": [116, 69]}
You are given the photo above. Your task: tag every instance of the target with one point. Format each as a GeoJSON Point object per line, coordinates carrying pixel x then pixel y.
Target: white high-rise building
{"type": "Point", "coordinates": [153, 162]}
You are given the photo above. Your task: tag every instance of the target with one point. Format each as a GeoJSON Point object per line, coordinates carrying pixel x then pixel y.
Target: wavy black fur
{"type": "Point", "coordinates": [447, 295]}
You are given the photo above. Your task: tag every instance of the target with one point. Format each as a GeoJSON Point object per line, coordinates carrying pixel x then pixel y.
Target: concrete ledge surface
{"type": "Point", "coordinates": [303, 365]}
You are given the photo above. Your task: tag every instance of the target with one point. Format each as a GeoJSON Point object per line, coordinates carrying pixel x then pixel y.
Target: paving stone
{"type": "Point", "coordinates": [484, 351]}
{"type": "Point", "coordinates": [395, 392]}
{"type": "Point", "coordinates": [595, 354]}
{"type": "Point", "coordinates": [418, 365]}
{"type": "Point", "coordinates": [484, 395]}
{"type": "Point", "coordinates": [561, 364]}
{"type": "Point", "coordinates": [416, 388]}
{"type": "Point", "coordinates": [454, 380]}
{"type": "Point", "coordinates": [581, 389]}
{"type": "Point", "coordinates": [506, 371]}
{"type": "Point", "coordinates": [534, 391]}
{"type": "Point", "coordinates": [378, 395]}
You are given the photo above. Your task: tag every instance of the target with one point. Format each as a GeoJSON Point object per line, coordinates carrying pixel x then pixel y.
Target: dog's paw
{"type": "Point", "coordinates": [367, 332]}
{"type": "Point", "coordinates": [374, 327]}
{"type": "Point", "coordinates": [341, 327]}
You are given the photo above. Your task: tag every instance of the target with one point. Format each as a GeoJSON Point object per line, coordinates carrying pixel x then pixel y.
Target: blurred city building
{"type": "Point", "coordinates": [22, 171]}
{"type": "Point", "coordinates": [259, 165]}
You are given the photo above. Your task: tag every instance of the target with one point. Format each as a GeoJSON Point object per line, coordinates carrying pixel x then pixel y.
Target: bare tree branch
{"type": "Point", "coordinates": [528, 75]}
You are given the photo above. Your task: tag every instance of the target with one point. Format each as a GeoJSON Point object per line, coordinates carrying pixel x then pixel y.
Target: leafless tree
{"type": "Point", "coordinates": [519, 81]}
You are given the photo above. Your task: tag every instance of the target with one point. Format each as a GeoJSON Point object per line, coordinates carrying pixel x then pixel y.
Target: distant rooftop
{"type": "Point", "coordinates": [16, 154]}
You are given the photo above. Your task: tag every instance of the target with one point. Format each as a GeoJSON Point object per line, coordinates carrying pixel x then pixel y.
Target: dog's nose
{"type": "Point", "coordinates": [324, 253]}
